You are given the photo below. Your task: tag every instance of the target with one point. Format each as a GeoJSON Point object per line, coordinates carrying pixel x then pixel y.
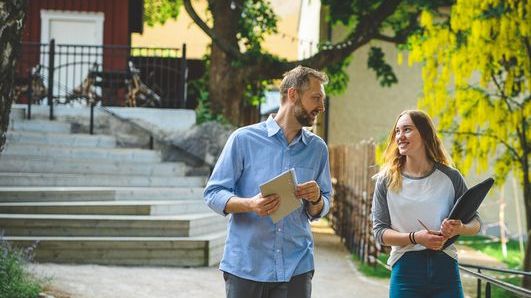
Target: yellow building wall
{"type": "Point", "coordinates": [183, 30]}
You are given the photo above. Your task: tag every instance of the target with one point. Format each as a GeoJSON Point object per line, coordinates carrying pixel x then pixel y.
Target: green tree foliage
{"type": "Point", "coordinates": [158, 11]}
{"type": "Point", "coordinates": [237, 29]}
{"type": "Point", "coordinates": [477, 81]}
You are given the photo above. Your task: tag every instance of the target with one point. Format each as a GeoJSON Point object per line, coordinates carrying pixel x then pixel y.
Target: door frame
{"type": "Point", "coordinates": [50, 15]}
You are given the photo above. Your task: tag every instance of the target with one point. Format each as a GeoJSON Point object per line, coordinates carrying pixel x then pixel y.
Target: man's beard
{"type": "Point", "coordinates": [303, 117]}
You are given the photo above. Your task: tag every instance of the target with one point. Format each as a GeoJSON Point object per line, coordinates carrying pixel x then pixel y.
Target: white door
{"type": "Point", "coordinates": [71, 30]}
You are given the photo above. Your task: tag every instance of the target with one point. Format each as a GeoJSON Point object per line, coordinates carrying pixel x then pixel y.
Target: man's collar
{"type": "Point", "coordinates": [273, 128]}
{"type": "Point", "coordinates": [305, 137]}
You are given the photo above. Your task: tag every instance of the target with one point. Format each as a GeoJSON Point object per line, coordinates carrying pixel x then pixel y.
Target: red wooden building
{"type": "Point", "coordinates": [94, 22]}
{"type": "Point", "coordinates": [86, 33]}
{"type": "Point", "coordinates": [92, 43]}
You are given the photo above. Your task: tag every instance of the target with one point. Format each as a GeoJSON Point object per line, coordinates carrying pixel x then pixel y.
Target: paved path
{"type": "Point", "coordinates": [335, 276]}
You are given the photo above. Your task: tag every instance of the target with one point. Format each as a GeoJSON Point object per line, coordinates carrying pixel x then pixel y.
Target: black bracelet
{"type": "Point", "coordinates": [410, 239]}
{"type": "Point", "coordinates": [413, 237]}
{"type": "Point", "coordinates": [318, 200]}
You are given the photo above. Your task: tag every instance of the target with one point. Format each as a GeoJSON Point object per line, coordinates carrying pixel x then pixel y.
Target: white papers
{"type": "Point", "coordinates": [284, 186]}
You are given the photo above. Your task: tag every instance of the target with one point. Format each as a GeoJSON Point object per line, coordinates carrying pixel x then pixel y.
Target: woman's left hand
{"type": "Point", "coordinates": [451, 227]}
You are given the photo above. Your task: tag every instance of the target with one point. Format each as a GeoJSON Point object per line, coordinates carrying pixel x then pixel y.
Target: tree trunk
{"type": "Point", "coordinates": [527, 203]}
{"type": "Point", "coordinates": [225, 87]}
{"type": "Point", "coordinates": [226, 84]}
{"type": "Point", "coordinates": [231, 70]}
{"type": "Point", "coordinates": [527, 261]}
{"type": "Point", "coordinates": [11, 24]}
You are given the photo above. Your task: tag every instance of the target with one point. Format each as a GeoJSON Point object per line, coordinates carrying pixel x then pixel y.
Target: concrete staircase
{"type": "Point", "coordinates": [82, 199]}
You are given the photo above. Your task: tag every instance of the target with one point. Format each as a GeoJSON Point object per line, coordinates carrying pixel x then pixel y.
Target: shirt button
{"type": "Point", "coordinates": [280, 230]}
{"type": "Point", "coordinates": [278, 250]}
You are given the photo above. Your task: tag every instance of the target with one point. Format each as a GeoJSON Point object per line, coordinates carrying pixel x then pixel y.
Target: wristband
{"type": "Point", "coordinates": [318, 201]}
{"type": "Point", "coordinates": [413, 236]}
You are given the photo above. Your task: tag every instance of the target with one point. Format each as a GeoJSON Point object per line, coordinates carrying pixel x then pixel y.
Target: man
{"type": "Point", "coordinates": [263, 259]}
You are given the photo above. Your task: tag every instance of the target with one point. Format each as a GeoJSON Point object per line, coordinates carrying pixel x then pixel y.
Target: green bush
{"type": "Point", "coordinates": [15, 282]}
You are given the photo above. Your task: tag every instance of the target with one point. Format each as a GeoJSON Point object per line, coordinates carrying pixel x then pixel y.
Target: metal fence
{"type": "Point", "coordinates": [352, 168]}
{"type": "Point", "coordinates": [107, 75]}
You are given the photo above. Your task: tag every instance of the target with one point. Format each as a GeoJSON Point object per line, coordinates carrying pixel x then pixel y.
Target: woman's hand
{"type": "Point", "coordinates": [430, 239]}
{"type": "Point", "coordinates": [451, 227]}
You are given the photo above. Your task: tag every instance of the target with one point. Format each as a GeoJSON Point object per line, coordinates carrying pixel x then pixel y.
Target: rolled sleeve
{"type": "Point", "coordinates": [325, 184]}
{"type": "Point", "coordinates": [217, 200]}
{"type": "Point", "coordinates": [221, 185]}
{"type": "Point", "coordinates": [324, 211]}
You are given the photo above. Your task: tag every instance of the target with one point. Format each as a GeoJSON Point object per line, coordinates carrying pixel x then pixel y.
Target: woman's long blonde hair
{"type": "Point", "coordinates": [393, 161]}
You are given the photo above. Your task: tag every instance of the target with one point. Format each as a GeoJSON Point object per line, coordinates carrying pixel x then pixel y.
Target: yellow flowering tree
{"type": "Point", "coordinates": [477, 83]}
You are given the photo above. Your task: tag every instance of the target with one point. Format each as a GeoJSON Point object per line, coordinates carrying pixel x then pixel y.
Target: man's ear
{"type": "Point", "coordinates": [292, 95]}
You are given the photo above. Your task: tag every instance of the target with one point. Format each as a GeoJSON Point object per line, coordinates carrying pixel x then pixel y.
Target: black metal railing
{"type": "Point", "coordinates": [107, 75]}
{"type": "Point", "coordinates": [490, 280]}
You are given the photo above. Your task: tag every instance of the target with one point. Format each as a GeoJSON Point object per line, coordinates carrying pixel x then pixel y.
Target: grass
{"type": "Point", "coordinates": [378, 270]}
{"type": "Point", "coordinates": [15, 282]}
{"type": "Point", "coordinates": [482, 243]}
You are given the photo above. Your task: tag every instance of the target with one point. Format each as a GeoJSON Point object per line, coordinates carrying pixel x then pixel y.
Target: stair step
{"type": "Point", "coordinates": [188, 225]}
{"type": "Point", "coordinates": [24, 164]}
{"type": "Point", "coordinates": [203, 250]}
{"type": "Point", "coordinates": [58, 152]}
{"type": "Point", "coordinates": [40, 126]}
{"type": "Point", "coordinates": [73, 140]}
{"type": "Point", "coordinates": [107, 207]}
{"type": "Point", "coordinates": [52, 179]}
{"type": "Point", "coordinates": [69, 194]}
{"type": "Point", "coordinates": [17, 114]}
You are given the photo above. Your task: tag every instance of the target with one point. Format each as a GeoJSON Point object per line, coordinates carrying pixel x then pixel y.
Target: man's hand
{"type": "Point", "coordinates": [451, 227]}
{"type": "Point", "coordinates": [308, 191]}
{"type": "Point", "coordinates": [264, 206]}
{"type": "Point", "coordinates": [430, 239]}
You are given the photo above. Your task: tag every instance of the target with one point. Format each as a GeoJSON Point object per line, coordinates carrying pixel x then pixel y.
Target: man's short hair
{"type": "Point", "coordinates": [299, 78]}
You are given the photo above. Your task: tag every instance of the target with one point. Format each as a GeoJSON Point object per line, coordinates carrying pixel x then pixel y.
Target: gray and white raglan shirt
{"type": "Point", "coordinates": [429, 198]}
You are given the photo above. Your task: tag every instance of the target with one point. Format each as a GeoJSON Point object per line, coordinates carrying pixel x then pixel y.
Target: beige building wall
{"type": "Point", "coordinates": [183, 30]}
{"type": "Point", "coordinates": [366, 109]}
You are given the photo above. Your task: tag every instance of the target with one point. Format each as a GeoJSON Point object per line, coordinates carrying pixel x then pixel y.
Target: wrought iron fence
{"type": "Point", "coordinates": [107, 75]}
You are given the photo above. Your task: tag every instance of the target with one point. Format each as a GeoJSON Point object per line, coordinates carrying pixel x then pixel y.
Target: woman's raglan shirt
{"type": "Point", "coordinates": [429, 198]}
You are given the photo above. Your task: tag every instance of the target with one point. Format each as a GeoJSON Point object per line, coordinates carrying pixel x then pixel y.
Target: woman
{"type": "Point", "coordinates": [416, 183]}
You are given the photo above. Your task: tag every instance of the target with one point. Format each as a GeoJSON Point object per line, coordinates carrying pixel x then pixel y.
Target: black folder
{"type": "Point", "coordinates": [466, 206]}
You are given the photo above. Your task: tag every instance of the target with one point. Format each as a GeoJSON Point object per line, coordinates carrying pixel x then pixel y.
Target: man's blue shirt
{"type": "Point", "coordinates": [256, 248]}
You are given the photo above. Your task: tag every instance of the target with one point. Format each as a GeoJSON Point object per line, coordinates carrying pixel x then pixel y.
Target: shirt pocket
{"type": "Point", "coordinates": [304, 174]}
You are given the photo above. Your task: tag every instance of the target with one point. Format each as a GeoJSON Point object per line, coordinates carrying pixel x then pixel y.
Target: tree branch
{"type": "Point", "coordinates": [365, 31]}
{"type": "Point", "coordinates": [391, 39]}
{"type": "Point", "coordinates": [402, 35]}
{"type": "Point", "coordinates": [223, 44]}
{"type": "Point", "coordinates": [480, 134]}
